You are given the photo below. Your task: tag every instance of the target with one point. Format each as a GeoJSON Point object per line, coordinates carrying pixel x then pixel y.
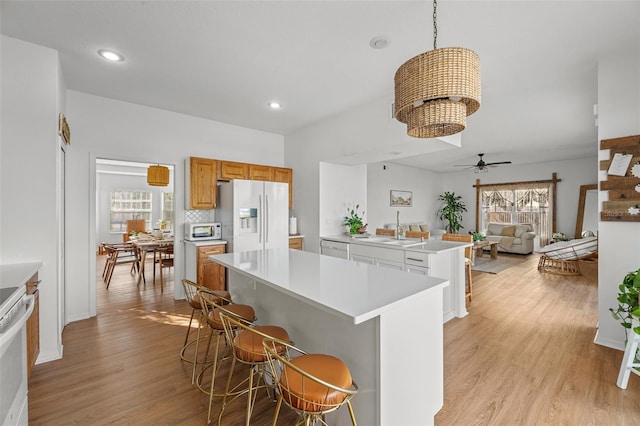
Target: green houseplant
{"type": "Point", "coordinates": [353, 220]}
{"type": "Point", "coordinates": [452, 211]}
{"type": "Point", "coordinates": [628, 300]}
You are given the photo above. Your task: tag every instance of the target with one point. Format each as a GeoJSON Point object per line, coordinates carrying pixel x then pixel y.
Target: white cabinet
{"type": "Point", "coordinates": [380, 256]}
{"type": "Point", "coordinates": [418, 262]}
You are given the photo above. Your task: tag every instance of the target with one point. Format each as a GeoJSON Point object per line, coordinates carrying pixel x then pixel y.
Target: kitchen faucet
{"type": "Point", "coordinates": [398, 226]}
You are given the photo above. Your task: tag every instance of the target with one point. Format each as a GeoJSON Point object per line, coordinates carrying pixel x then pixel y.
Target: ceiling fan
{"type": "Point", "coordinates": [481, 166]}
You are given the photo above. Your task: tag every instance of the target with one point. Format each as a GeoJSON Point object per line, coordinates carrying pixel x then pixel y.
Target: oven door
{"type": "Point", "coordinates": [13, 367]}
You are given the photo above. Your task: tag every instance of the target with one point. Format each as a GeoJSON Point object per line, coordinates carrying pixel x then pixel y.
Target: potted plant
{"type": "Point", "coordinates": [452, 211]}
{"type": "Point", "coordinates": [628, 300]}
{"type": "Point", "coordinates": [354, 222]}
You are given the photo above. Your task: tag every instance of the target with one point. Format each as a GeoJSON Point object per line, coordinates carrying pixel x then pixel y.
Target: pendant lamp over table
{"type": "Point", "coordinates": [158, 175]}
{"type": "Point", "coordinates": [436, 90]}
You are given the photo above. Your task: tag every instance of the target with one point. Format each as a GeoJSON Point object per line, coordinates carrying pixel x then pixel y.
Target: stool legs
{"type": "Point", "coordinates": [628, 365]}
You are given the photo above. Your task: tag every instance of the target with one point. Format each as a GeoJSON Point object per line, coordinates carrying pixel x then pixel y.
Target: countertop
{"type": "Point", "coordinates": [296, 236]}
{"type": "Point", "coordinates": [206, 243]}
{"type": "Point", "coordinates": [413, 244]}
{"type": "Point", "coordinates": [17, 274]}
{"type": "Point", "coordinates": [353, 290]}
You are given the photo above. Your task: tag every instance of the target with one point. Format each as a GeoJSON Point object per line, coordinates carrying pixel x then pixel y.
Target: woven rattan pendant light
{"type": "Point", "coordinates": [158, 175]}
{"type": "Point", "coordinates": [436, 90]}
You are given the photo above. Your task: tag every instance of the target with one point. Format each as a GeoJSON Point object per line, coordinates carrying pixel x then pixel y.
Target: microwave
{"type": "Point", "coordinates": [202, 231]}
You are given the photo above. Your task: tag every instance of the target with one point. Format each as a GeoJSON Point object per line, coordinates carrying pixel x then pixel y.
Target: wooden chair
{"type": "Point", "coordinates": [117, 254]}
{"type": "Point", "coordinates": [136, 225]}
{"type": "Point", "coordinates": [468, 253]}
{"type": "Point", "coordinates": [246, 344]}
{"type": "Point", "coordinates": [311, 384]}
{"type": "Point", "coordinates": [385, 231]}
{"type": "Point", "coordinates": [165, 260]}
{"type": "Point", "coordinates": [418, 234]}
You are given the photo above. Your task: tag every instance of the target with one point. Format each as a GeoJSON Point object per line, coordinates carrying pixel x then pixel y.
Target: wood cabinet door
{"type": "Point", "coordinates": [33, 333]}
{"type": "Point", "coordinates": [203, 183]}
{"type": "Point", "coordinates": [295, 243]}
{"type": "Point", "coordinates": [232, 170]}
{"type": "Point", "coordinates": [211, 274]}
{"type": "Point", "coordinates": [259, 172]}
{"type": "Point", "coordinates": [281, 174]}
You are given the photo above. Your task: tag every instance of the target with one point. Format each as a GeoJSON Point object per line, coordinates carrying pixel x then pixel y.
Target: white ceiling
{"type": "Point", "coordinates": [225, 60]}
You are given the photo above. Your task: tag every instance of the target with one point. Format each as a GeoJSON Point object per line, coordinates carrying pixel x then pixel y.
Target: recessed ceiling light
{"type": "Point", "coordinates": [379, 42]}
{"type": "Point", "coordinates": [275, 105]}
{"type": "Point", "coordinates": [110, 55]}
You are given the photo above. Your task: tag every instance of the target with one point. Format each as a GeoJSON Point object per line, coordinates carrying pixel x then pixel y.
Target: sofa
{"type": "Point", "coordinates": [511, 238]}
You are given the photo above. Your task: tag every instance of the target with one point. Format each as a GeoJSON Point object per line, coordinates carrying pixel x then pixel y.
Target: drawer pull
{"type": "Point", "coordinates": [414, 259]}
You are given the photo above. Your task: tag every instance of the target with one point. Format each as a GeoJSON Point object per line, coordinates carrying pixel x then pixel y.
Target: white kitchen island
{"type": "Point", "coordinates": [384, 324]}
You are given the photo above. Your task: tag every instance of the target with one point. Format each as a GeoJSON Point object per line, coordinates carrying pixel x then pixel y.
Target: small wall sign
{"type": "Point", "coordinates": [63, 129]}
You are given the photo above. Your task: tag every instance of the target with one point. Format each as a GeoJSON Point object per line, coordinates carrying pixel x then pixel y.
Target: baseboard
{"type": "Point", "coordinates": [46, 356]}
{"type": "Point", "coordinates": [609, 343]}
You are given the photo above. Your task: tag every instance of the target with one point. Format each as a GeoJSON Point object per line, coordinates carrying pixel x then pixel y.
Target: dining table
{"type": "Point", "coordinates": [145, 246]}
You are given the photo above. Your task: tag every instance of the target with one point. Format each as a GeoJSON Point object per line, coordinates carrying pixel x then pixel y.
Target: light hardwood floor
{"type": "Point", "coordinates": [523, 356]}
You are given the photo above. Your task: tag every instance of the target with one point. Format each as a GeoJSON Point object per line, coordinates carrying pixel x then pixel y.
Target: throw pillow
{"type": "Point", "coordinates": [520, 229]}
{"type": "Point", "coordinates": [508, 231]}
{"type": "Point", "coordinates": [414, 228]}
{"type": "Point", "coordinates": [424, 228]}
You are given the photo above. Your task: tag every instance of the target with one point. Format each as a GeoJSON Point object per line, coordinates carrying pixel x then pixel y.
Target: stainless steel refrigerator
{"type": "Point", "coordinates": [254, 214]}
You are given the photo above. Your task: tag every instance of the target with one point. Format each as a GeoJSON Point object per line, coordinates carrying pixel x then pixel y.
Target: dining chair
{"type": "Point", "coordinates": [165, 260]}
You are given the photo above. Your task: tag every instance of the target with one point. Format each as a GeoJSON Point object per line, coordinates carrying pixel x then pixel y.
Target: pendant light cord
{"type": "Point", "coordinates": [435, 26]}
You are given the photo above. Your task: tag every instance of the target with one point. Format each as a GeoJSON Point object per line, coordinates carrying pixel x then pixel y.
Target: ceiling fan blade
{"type": "Point", "coordinates": [498, 162]}
{"type": "Point", "coordinates": [465, 165]}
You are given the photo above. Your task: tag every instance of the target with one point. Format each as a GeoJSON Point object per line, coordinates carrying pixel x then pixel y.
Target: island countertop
{"type": "Point", "coordinates": [356, 291]}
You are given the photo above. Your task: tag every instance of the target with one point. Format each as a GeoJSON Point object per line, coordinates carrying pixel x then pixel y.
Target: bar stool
{"type": "Point", "coordinates": [246, 344]}
{"type": "Point", "coordinates": [311, 384]}
{"type": "Point", "coordinates": [629, 364]}
{"type": "Point", "coordinates": [193, 299]}
{"type": "Point", "coordinates": [214, 313]}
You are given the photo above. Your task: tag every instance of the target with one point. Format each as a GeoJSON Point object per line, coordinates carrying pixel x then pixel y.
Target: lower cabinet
{"type": "Point", "coordinates": [363, 259]}
{"type": "Point", "coordinates": [211, 274]}
{"type": "Point", "coordinates": [380, 256]}
{"type": "Point", "coordinates": [295, 243]}
{"type": "Point", "coordinates": [33, 325]}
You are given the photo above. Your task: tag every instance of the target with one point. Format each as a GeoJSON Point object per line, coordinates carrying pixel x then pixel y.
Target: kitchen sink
{"type": "Point", "coordinates": [403, 243]}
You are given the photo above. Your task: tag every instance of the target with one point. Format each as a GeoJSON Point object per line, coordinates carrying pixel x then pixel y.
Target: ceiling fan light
{"type": "Point", "coordinates": [438, 118]}
{"type": "Point", "coordinates": [481, 170]}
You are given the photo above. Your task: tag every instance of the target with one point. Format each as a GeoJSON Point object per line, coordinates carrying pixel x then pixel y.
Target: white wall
{"type": "Point", "coordinates": [384, 177]}
{"type": "Point", "coordinates": [341, 188]}
{"type": "Point", "coordinates": [105, 128]}
{"type": "Point", "coordinates": [32, 97]}
{"type": "Point", "coordinates": [618, 242]}
{"type": "Point", "coordinates": [572, 174]}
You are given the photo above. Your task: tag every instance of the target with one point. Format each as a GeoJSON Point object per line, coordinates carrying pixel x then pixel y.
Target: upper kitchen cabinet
{"type": "Point", "coordinates": [232, 170]}
{"type": "Point", "coordinates": [260, 172]}
{"type": "Point", "coordinates": [281, 174]}
{"type": "Point", "coordinates": [202, 189]}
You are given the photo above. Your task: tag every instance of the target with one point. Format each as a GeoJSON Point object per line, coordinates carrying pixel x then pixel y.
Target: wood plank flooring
{"type": "Point", "coordinates": [523, 356]}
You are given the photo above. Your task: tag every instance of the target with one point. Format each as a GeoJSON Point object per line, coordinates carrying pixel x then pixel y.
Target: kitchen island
{"type": "Point", "coordinates": [436, 258]}
{"type": "Point", "coordinates": [384, 324]}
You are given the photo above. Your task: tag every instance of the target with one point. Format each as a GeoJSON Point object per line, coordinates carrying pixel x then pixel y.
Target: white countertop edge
{"type": "Point", "coordinates": [206, 243]}
{"type": "Point", "coordinates": [17, 274]}
{"type": "Point", "coordinates": [296, 236]}
{"type": "Point", "coordinates": [453, 245]}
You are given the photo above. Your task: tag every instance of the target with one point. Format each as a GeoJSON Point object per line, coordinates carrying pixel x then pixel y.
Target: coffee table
{"type": "Point", "coordinates": [478, 245]}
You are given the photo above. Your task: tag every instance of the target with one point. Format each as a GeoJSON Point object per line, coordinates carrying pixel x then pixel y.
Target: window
{"type": "Point", "coordinates": [127, 205]}
{"type": "Point", "coordinates": [167, 209]}
{"type": "Point", "coordinates": [518, 203]}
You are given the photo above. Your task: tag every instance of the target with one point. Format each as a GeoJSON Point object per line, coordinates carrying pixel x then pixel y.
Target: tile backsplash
{"type": "Point", "coordinates": [199, 216]}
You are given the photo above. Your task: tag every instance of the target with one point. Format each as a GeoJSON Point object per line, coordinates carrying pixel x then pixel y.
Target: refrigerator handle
{"type": "Point", "coordinates": [266, 219]}
{"type": "Point", "coordinates": [260, 222]}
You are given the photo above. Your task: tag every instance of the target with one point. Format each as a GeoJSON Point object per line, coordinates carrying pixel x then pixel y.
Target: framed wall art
{"type": "Point", "coordinates": [401, 198]}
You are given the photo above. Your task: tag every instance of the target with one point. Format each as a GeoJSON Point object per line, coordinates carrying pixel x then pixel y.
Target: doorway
{"type": "Point", "coordinates": [123, 194]}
